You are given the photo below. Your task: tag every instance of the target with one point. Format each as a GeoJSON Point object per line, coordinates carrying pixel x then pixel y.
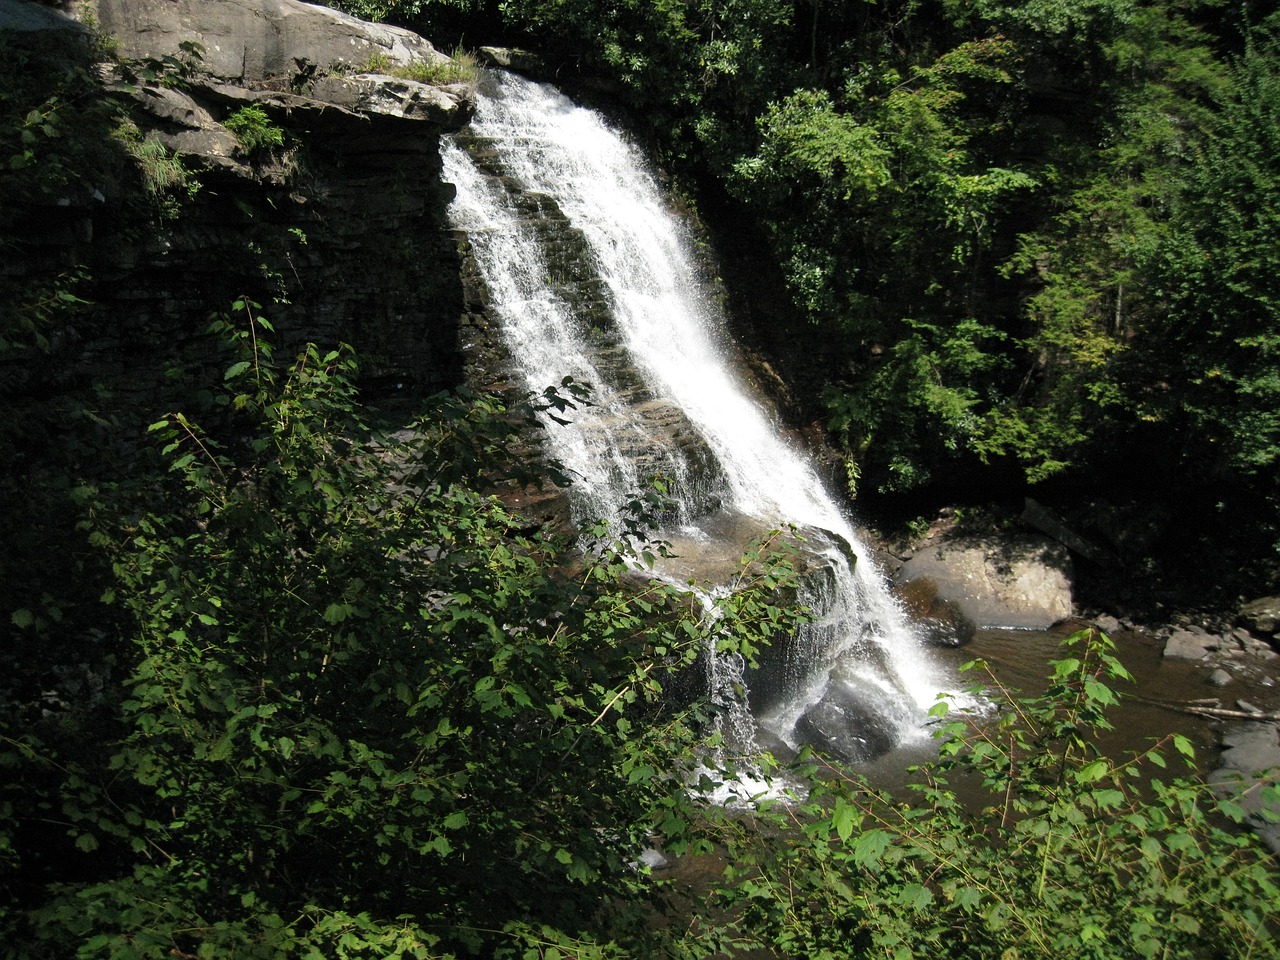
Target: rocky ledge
{"type": "Point", "coordinates": [337, 225]}
{"type": "Point", "coordinates": [306, 65]}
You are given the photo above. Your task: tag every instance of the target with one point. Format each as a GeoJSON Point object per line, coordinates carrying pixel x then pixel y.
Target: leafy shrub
{"type": "Point", "coordinates": [254, 129]}
{"type": "Point", "coordinates": [1068, 854]}
{"type": "Point", "coordinates": [367, 712]}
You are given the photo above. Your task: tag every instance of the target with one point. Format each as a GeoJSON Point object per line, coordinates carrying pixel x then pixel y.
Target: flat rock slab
{"type": "Point", "coordinates": [1021, 582]}
{"type": "Point", "coordinates": [248, 41]}
{"type": "Point", "coordinates": [1192, 643]}
{"type": "Point", "coordinates": [1250, 761]}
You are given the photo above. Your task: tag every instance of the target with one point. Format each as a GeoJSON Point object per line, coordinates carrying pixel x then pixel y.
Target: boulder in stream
{"type": "Point", "coordinates": [848, 723]}
{"type": "Point", "coordinates": [1192, 643]}
{"type": "Point", "coordinates": [1019, 582]}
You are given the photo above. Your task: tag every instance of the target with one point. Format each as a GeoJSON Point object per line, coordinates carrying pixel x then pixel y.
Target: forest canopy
{"type": "Point", "coordinates": [1028, 246]}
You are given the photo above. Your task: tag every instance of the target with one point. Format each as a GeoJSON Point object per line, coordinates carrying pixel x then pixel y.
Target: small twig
{"type": "Point", "coordinates": [1223, 713]}
{"type": "Point", "coordinates": [1202, 708]}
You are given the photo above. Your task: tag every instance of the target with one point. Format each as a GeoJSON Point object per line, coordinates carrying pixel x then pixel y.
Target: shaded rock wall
{"type": "Point", "coordinates": [339, 232]}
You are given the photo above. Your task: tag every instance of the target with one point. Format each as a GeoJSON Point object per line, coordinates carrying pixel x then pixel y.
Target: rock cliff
{"type": "Point", "coordinates": [332, 218]}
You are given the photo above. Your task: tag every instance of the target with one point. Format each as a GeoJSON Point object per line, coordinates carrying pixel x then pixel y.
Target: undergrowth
{"type": "Point", "coordinates": [1069, 853]}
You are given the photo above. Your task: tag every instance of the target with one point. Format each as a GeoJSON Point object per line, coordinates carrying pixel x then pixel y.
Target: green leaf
{"type": "Point", "coordinates": [1092, 771]}
{"type": "Point", "coordinates": [1099, 692]}
{"type": "Point", "coordinates": [337, 612]}
{"type": "Point", "coordinates": [843, 820]}
{"type": "Point", "coordinates": [869, 847]}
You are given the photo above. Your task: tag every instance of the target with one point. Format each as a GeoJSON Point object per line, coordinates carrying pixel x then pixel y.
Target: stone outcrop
{"type": "Point", "coordinates": [249, 42]}
{"type": "Point", "coordinates": [1022, 582]}
{"type": "Point", "coordinates": [339, 232]}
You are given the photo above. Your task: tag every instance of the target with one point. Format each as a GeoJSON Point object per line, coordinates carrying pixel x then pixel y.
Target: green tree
{"type": "Point", "coordinates": [1092, 265]}
{"type": "Point", "coordinates": [890, 259]}
{"type": "Point", "coordinates": [1215, 347]}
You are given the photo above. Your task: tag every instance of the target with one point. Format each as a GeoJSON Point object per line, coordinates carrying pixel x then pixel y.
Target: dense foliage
{"type": "Point", "coordinates": [1021, 840]}
{"type": "Point", "coordinates": [279, 681]}
{"type": "Point", "coordinates": [364, 713]}
{"type": "Point", "coordinates": [1020, 239]}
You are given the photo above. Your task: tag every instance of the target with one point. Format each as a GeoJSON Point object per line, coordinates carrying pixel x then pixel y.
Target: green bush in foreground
{"type": "Point", "coordinates": [1069, 854]}
{"type": "Point", "coordinates": [366, 712]}
{"type": "Point", "coordinates": [359, 709]}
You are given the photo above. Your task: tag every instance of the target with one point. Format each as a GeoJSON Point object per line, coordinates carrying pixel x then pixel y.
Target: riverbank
{"type": "Point", "coordinates": [1211, 675]}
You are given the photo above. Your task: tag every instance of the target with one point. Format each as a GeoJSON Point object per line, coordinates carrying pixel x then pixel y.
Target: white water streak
{"type": "Point", "coordinates": [673, 333]}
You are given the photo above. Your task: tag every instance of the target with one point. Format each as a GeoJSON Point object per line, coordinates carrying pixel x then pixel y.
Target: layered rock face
{"type": "Point", "coordinates": [337, 230]}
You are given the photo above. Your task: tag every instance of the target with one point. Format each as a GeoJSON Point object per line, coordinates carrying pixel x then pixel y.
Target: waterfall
{"type": "Point", "coordinates": [589, 275]}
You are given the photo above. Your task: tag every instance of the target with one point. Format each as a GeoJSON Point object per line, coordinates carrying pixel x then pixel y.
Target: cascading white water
{"type": "Point", "coordinates": [529, 148]}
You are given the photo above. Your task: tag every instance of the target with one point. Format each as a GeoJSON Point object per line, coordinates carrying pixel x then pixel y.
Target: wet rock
{"type": "Point", "coordinates": [769, 742]}
{"type": "Point", "coordinates": [1108, 625]}
{"type": "Point", "coordinates": [847, 724]}
{"type": "Point", "coordinates": [1191, 643]}
{"type": "Point", "coordinates": [1219, 678]}
{"type": "Point", "coordinates": [941, 622]}
{"type": "Point", "coordinates": [649, 432]}
{"type": "Point", "coordinates": [1021, 582]}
